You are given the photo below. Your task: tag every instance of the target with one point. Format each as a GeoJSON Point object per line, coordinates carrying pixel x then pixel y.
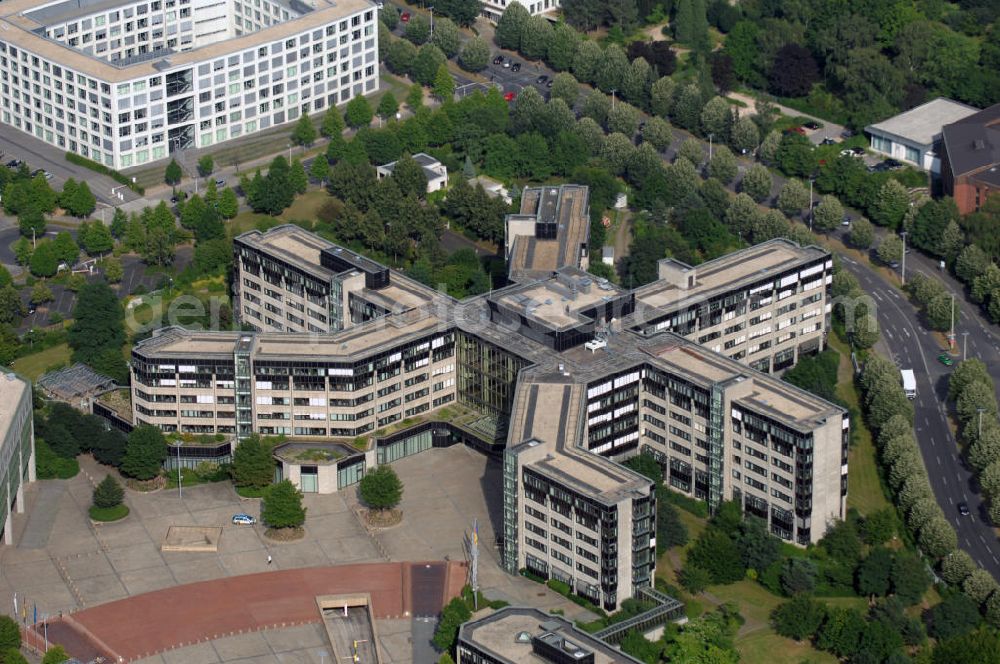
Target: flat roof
{"type": "Point", "coordinates": [292, 244]}
{"type": "Point", "coordinates": [567, 205]}
{"type": "Point", "coordinates": [498, 634]}
{"type": "Point", "coordinates": [922, 124]}
{"type": "Point", "coordinates": [17, 28]}
{"type": "Point", "coordinates": [12, 389]}
{"type": "Point", "coordinates": [559, 299]}
{"type": "Point", "coordinates": [740, 268]}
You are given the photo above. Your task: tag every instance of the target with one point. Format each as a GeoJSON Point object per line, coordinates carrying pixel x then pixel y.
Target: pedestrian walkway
{"type": "Point", "coordinates": [43, 515]}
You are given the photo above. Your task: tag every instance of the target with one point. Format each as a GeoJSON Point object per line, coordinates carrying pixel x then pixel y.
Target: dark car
{"type": "Point", "coordinates": [31, 309]}
{"type": "Point", "coordinates": [38, 171]}
{"type": "Point", "coordinates": [13, 163]}
{"type": "Point", "coordinates": [963, 509]}
{"type": "Point", "coordinates": [516, 66]}
{"type": "Point", "coordinates": [542, 79]}
{"type": "Point", "coordinates": [549, 84]}
{"type": "Point", "coordinates": [887, 165]}
{"type": "Point", "coordinates": [812, 125]}
{"type": "Point", "coordinates": [828, 141]}
{"type": "Point", "coordinates": [497, 60]}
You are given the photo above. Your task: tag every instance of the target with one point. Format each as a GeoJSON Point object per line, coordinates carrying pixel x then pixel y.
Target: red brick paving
{"type": "Point", "coordinates": [164, 619]}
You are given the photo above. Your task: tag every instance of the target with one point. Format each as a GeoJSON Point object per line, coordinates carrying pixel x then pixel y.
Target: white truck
{"type": "Point", "coordinates": [909, 383]}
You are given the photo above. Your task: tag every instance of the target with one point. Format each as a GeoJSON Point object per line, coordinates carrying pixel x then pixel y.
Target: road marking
{"type": "Point", "coordinates": [906, 332]}
{"type": "Point", "coordinates": [888, 333]}
{"type": "Point", "coordinates": [939, 459]}
{"type": "Point", "coordinates": [876, 295]}
{"type": "Point", "coordinates": [944, 479]}
{"type": "Point", "coordinates": [981, 539]}
{"type": "Point", "coordinates": [927, 421]}
{"type": "Point", "coordinates": [950, 499]}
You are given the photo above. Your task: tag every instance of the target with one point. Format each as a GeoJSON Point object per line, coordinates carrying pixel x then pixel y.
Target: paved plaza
{"type": "Point", "coordinates": [62, 562]}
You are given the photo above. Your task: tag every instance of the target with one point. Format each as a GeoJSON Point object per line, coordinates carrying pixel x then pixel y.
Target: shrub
{"type": "Point", "coordinates": [282, 506]}
{"type": "Point", "coordinates": [10, 633]}
{"type": "Point", "coordinates": [104, 170]}
{"type": "Point", "coordinates": [108, 493]}
{"type": "Point", "coordinates": [52, 466]}
{"type": "Point", "coordinates": [381, 488]}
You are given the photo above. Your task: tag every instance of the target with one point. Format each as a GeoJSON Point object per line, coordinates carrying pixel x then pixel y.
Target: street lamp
{"type": "Point", "coordinates": [710, 137]}
{"type": "Point", "coordinates": [613, 97]}
{"type": "Point", "coordinates": [811, 180]}
{"type": "Point", "coordinates": [902, 274]}
{"type": "Point", "coordinates": [965, 345]}
{"type": "Point", "coordinates": [430, 37]}
{"type": "Point", "coordinates": [180, 484]}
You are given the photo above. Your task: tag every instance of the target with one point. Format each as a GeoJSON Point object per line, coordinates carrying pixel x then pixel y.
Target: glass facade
{"type": "Point", "coordinates": [405, 447]}
{"type": "Point", "coordinates": [487, 377]}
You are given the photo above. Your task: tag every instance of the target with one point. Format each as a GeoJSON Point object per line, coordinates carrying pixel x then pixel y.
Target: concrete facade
{"type": "Point", "coordinates": [576, 374]}
{"type": "Point", "coordinates": [435, 172]}
{"type": "Point", "coordinates": [17, 454]}
{"type": "Point", "coordinates": [765, 305]}
{"type": "Point", "coordinates": [914, 136]}
{"type": "Point", "coordinates": [128, 83]}
{"type": "Point", "coordinates": [493, 9]}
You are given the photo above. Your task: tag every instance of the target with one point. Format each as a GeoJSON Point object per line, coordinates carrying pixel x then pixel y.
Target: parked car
{"type": "Point", "coordinates": [828, 141]}
{"type": "Point", "coordinates": [220, 183]}
{"type": "Point", "coordinates": [13, 163]}
{"type": "Point", "coordinates": [853, 152]}
{"type": "Point", "coordinates": [812, 125]}
{"type": "Point", "coordinates": [796, 130]}
{"type": "Point", "coordinates": [497, 60]}
{"type": "Point", "coordinates": [242, 519]}
{"type": "Point", "coordinates": [541, 79]}
{"type": "Point", "coordinates": [506, 64]}
{"type": "Point", "coordinates": [509, 96]}
{"type": "Point", "coordinates": [846, 221]}
{"type": "Point", "coordinates": [48, 176]}
{"type": "Point", "coordinates": [945, 359]}
{"type": "Point", "coordinates": [405, 17]}
{"type": "Point", "coordinates": [887, 165]}
{"type": "Point", "coordinates": [516, 66]}
{"type": "Point", "coordinates": [549, 84]}
{"type": "Point", "coordinates": [38, 171]}
{"type": "Point", "coordinates": [32, 309]}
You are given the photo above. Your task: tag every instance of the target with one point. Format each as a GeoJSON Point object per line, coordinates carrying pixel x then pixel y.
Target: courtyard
{"type": "Point", "coordinates": [63, 563]}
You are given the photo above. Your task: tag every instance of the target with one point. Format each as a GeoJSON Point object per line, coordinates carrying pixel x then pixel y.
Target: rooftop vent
{"type": "Point", "coordinates": [979, 144]}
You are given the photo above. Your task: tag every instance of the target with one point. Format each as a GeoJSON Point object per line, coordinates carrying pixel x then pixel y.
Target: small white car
{"type": "Point", "coordinates": [243, 520]}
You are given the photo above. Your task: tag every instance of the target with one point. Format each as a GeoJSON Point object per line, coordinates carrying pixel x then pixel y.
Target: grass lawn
{"type": "Point", "coordinates": [864, 489]}
{"type": "Point", "coordinates": [108, 513]}
{"type": "Point", "coordinates": [766, 646]}
{"type": "Point", "coordinates": [306, 205]}
{"type": "Point", "coordinates": [34, 365]}
{"type": "Point", "coordinates": [249, 492]}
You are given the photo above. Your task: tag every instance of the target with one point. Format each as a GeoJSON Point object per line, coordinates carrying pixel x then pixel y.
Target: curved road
{"type": "Point", "coordinates": [912, 346]}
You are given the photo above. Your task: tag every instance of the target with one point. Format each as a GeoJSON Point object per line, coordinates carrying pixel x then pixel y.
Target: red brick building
{"type": "Point", "coordinates": [970, 159]}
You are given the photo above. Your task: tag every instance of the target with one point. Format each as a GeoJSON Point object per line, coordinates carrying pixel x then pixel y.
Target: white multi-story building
{"type": "Point", "coordinates": [130, 82]}
{"type": "Point", "coordinates": [493, 9]}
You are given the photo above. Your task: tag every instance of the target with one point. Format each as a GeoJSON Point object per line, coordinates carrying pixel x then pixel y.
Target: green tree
{"type": "Point", "coordinates": [890, 249]}
{"type": "Point", "coordinates": [173, 174]}
{"type": "Point", "coordinates": [975, 648]}
{"type": "Point", "coordinates": [320, 169]}
{"type": "Point", "coordinates": [757, 182]}
{"type": "Point", "coordinates": [511, 25]}
{"type": "Point", "coordinates": [841, 632]}
{"type": "Point", "coordinates": [55, 655]}
{"type": "Point", "coordinates": [716, 553]}
{"type": "Point", "coordinates": [657, 132]}
{"type": "Point", "coordinates": [409, 176]}
{"type": "Point", "coordinates": [358, 112]}
{"type": "Point", "coordinates": [108, 493]}
{"type": "Point", "coordinates": [862, 233]}
{"type": "Point", "coordinates": [536, 35]}
{"type": "Point", "coordinates": [10, 633]}
{"type": "Point", "coordinates": [799, 618]}
{"type": "Point", "coordinates": [282, 506]}
{"type": "Point", "coordinates": [444, 84]}
{"type": "Point", "coordinates": [11, 306]}
{"type": "Point", "coordinates": [304, 133]}
{"type": "Point", "coordinates": [716, 119]}
{"type": "Point", "coordinates": [415, 97]}
{"type": "Point", "coordinates": [425, 67]}
{"type": "Point", "coordinates": [694, 579]}
{"type": "Point", "coordinates": [297, 178]}
{"type": "Point", "coordinates": [333, 123]}
{"type": "Point", "coordinates": [99, 323]}
{"type": "Point", "coordinates": [828, 214]}
{"type": "Point", "coordinates": [388, 106]}
{"type": "Point", "coordinates": [253, 464]}
{"type": "Point", "coordinates": [380, 488]}
{"type": "Point", "coordinates": [418, 29]}
{"type": "Point", "coordinates": [561, 47]}
{"type": "Point", "coordinates": [475, 55]}
{"type": "Point", "coordinates": [891, 204]}
{"type": "Point", "coordinates": [145, 452]}
{"type": "Point", "coordinates": [97, 240]}
{"type": "Point", "coordinates": [909, 578]}
{"type": "Point", "coordinates": [44, 261]}
{"type": "Point", "coordinates": [453, 615]}
{"type": "Point", "coordinates": [31, 222]}
{"type": "Point", "coordinates": [661, 96]}
{"type": "Point", "coordinates": [623, 118]}
{"type": "Point", "coordinates": [874, 571]}
{"type": "Point", "coordinates": [722, 165]}
{"type": "Point", "coordinates": [228, 205]}
{"type": "Point", "coordinates": [690, 23]}
{"type": "Point", "coordinates": [206, 166]}
{"type": "Point", "coordinates": [41, 293]}
{"type": "Point", "coordinates": [956, 615]}
{"type": "Point", "coordinates": [446, 37]}
{"type": "Point", "coordinates": [798, 576]}
{"type": "Point", "coordinates": [744, 137]}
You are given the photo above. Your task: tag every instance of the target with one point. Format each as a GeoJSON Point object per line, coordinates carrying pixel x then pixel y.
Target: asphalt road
{"type": "Point", "coordinates": [39, 154]}
{"type": "Point", "coordinates": [913, 347]}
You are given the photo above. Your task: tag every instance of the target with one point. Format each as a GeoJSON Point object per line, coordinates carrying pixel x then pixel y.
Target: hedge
{"type": "Point", "coordinates": [74, 158]}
